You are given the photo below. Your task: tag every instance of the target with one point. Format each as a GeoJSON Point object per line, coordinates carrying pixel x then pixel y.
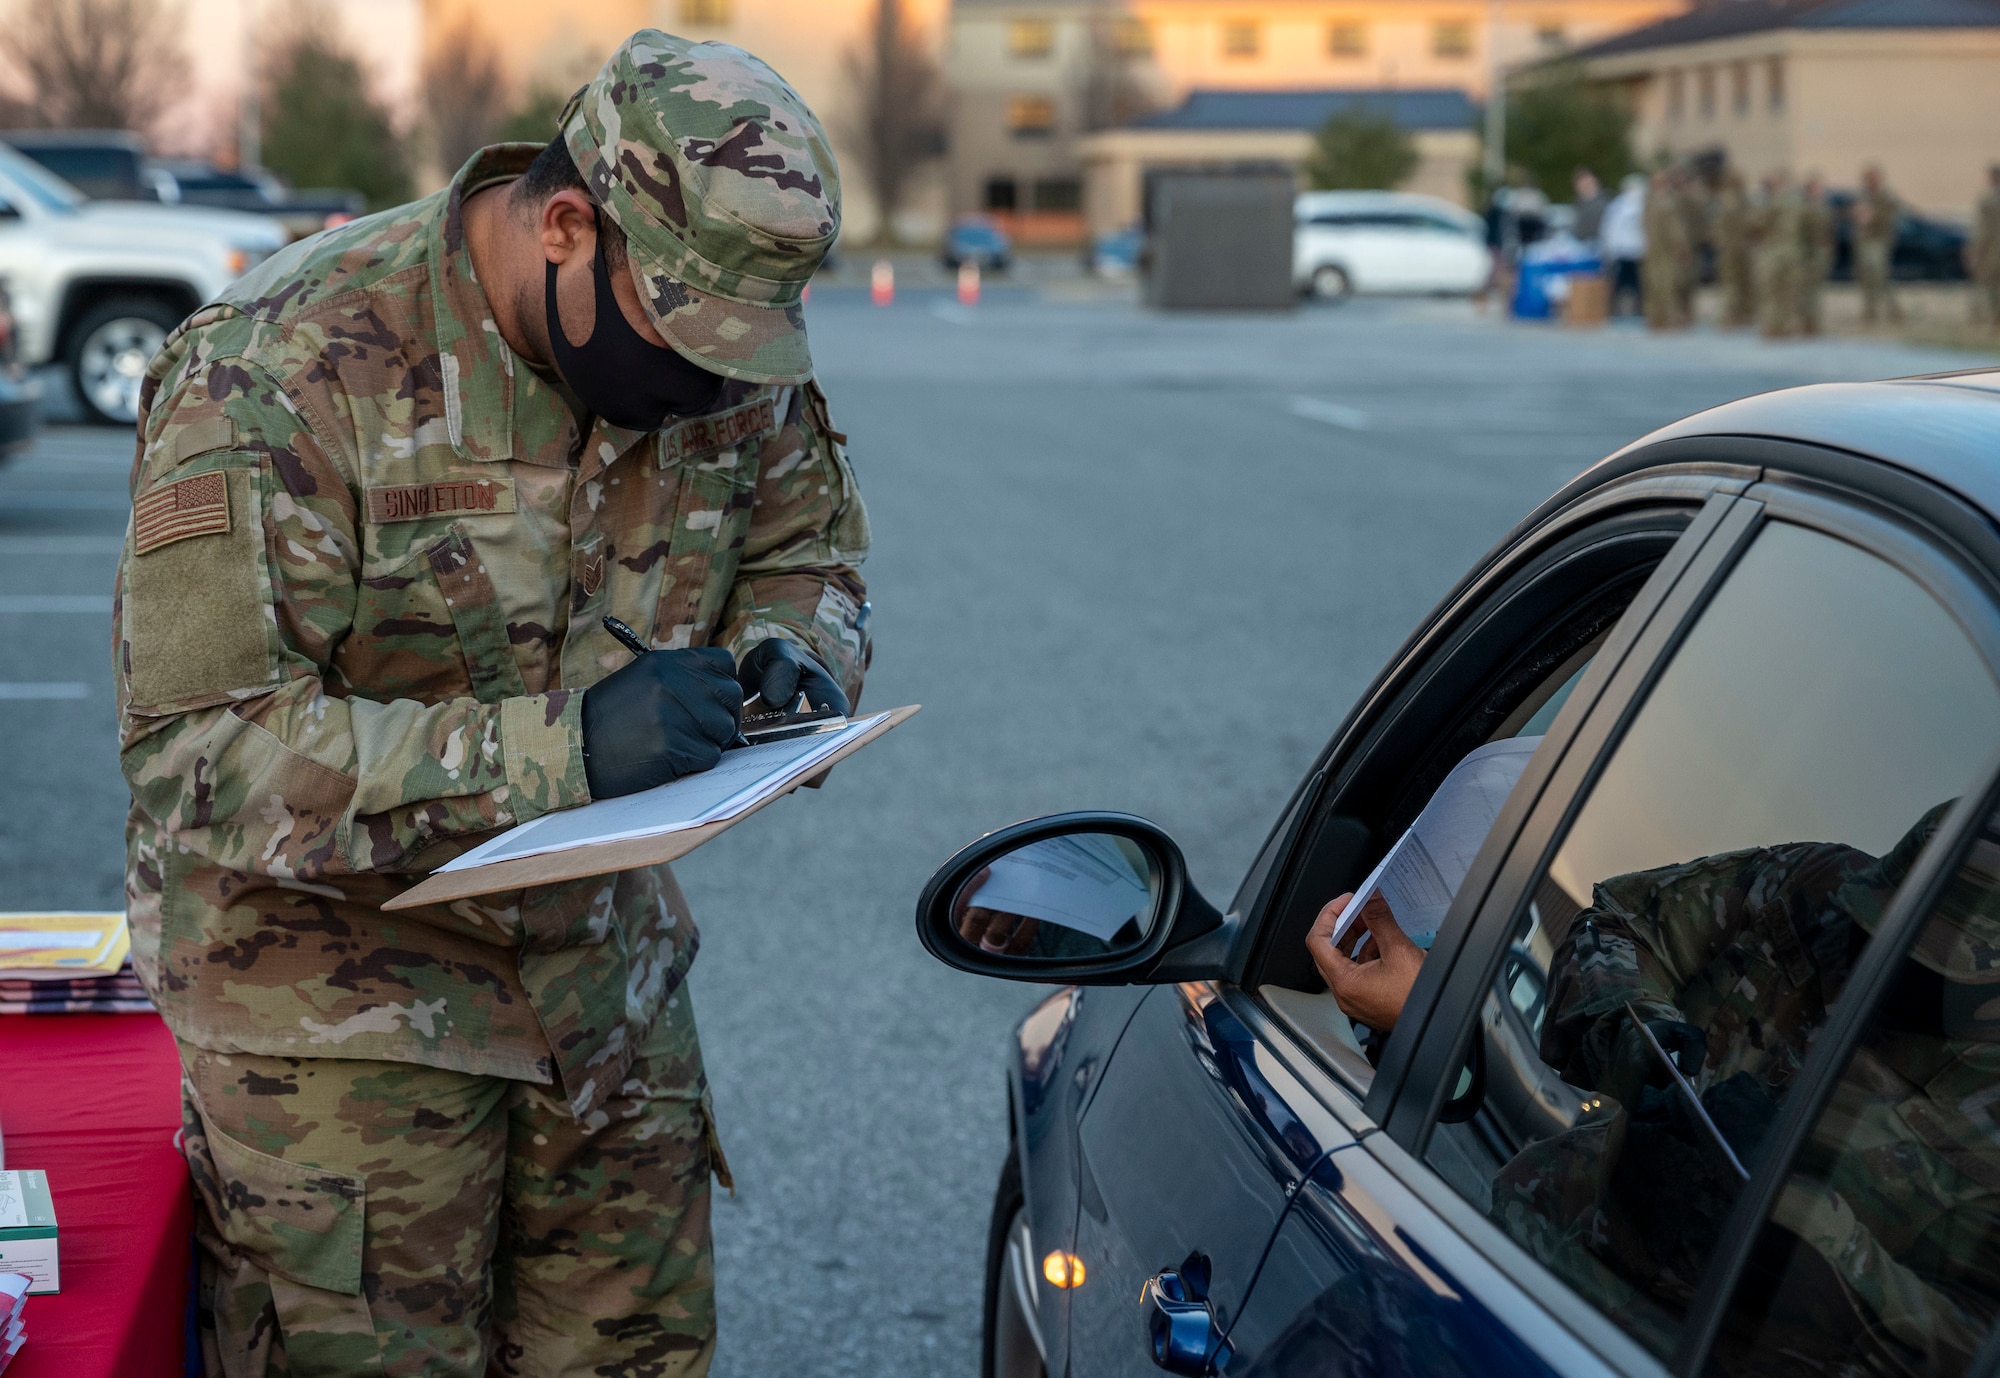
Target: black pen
{"type": "Point", "coordinates": [626, 637]}
{"type": "Point", "coordinates": [629, 639]}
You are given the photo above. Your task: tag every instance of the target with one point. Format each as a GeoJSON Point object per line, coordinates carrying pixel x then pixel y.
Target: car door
{"type": "Point", "coordinates": [1202, 1131]}
{"type": "Point", "coordinates": [1746, 822]}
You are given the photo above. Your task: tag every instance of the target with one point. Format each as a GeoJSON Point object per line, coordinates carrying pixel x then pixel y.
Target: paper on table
{"type": "Point", "coordinates": [740, 779]}
{"type": "Point", "coordinates": [1422, 872]}
{"type": "Point", "coordinates": [1082, 882]}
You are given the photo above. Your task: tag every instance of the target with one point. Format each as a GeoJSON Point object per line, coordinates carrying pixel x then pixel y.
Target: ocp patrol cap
{"type": "Point", "coordinates": [725, 186]}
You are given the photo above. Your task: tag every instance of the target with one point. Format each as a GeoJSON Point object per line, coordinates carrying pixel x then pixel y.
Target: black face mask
{"type": "Point", "coordinates": [617, 373]}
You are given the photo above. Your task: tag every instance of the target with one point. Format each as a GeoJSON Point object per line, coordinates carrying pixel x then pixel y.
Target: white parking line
{"type": "Point", "coordinates": [64, 500]}
{"type": "Point", "coordinates": [55, 602]}
{"type": "Point", "coordinates": [52, 689]}
{"type": "Point", "coordinates": [1330, 413]}
{"type": "Point", "coordinates": [61, 545]}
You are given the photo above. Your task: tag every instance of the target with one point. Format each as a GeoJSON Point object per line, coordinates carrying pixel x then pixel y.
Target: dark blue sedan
{"type": "Point", "coordinates": [1667, 1040]}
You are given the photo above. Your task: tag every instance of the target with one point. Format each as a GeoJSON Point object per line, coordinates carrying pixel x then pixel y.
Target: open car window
{"type": "Point", "coordinates": [1665, 980]}
{"type": "Point", "coordinates": [1419, 876]}
{"type": "Point", "coordinates": [1519, 650]}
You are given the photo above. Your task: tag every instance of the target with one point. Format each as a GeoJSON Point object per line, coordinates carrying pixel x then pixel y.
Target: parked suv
{"type": "Point", "coordinates": [97, 285]}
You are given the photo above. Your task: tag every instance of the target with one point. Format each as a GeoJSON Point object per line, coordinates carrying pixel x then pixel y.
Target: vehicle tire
{"type": "Point", "coordinates": [109, 349]}
{"type": "Point", "coordinates": [1009, 1348]}
{"type": "Point", "coordinates": [1330, 283]}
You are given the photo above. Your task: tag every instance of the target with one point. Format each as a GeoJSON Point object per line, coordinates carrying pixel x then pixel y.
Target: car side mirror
{"type": "Point", "coordinates": [1073, 899]}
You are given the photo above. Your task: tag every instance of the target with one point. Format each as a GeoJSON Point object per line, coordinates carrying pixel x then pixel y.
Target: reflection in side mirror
{"type": "Point", "coordinates": [1082, 898]}
{"type": "Point", "coordinates": [1071, 897]}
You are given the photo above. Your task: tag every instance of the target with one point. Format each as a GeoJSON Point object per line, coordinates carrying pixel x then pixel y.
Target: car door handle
{"type": "Point", "coordinates": [1181, 1319]}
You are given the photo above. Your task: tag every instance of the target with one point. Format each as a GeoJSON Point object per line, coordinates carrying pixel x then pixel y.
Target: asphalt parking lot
{"type": "Point", "coordinates": [1124, 561]}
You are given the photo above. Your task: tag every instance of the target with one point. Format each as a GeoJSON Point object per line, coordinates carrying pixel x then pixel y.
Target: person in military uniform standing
{"type": "Point", "coordinates": [386, 491]}
{"type": "Point", "coordinates": [1816, 249]}
{"type": "Point", "coordinates": [1982, 253]}
{"type": "Point", "coordinates": [1876, 212]}
{"type": "Point", "coordinates": [1731, 231]}
{"type": "Point", "coordinates": [1778, 229]}
{"type": "Point", "coordinates": [1668, 254]}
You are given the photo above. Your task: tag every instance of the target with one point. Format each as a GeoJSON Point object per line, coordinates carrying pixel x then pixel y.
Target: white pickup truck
{"type": "Point", "coordinates": [97, 285]}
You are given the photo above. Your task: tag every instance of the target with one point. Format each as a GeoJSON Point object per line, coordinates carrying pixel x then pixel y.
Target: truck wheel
{"type": "Point", "coordinates": [109, 349]}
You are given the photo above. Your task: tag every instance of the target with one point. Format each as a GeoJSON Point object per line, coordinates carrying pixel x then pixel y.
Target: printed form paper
{"type": "Point", "coordinates": [1082, 882]}
{"type": "Point", "coordinates": [742, 778]}
{"type": "Point", "coordinates": [1422, 872]}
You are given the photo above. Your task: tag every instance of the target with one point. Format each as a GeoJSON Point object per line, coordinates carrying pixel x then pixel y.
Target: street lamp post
{"type": "Point", "coordinates": [1496, 99]}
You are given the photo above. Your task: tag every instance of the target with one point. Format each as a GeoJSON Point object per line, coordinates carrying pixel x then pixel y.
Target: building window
{"type": "Point", "coordinates": [1031, 117]}
{"type": "Point", "coordinates": [1704, 89]}
{"type": "Point", "coordinates": [1242, 38]}
{"type": "Point", "coordinates": [1347, 38]}
{"type": "Point", "coordinates": [1451, 38]}
{"type": "Point", "coordinates": [1002, 194]}
{"type": "Point", "coordinates": [1132, 37]}
{"type": "Point", "coordinates": [1031, 38]}
{"type": "Point", "coordinates": [1551, 36]}
{"type": "Point", "coordinates": [1058, 194]}
{"type": "Point", "coordinates": [704, 14]}
{"type": "Point", "coordinates": [1774, 77]}
{"type": "Point", "coordinates": [1739, 89]}
{"type": "Point", "coordinates": [1676, 95]}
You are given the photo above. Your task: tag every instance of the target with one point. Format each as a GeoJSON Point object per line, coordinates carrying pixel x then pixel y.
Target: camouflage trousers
{"type": "Point", "coordinates": [1873, 259]}
{"type": "Point", "coordinates": [387, 1219]}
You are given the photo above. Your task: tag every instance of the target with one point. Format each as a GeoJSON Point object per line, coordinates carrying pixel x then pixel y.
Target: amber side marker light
{"type": "Point", "coordinates": [1063, 1269]}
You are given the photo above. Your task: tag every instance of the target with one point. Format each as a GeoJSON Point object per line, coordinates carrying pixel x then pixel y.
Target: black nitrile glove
{"type": "Point", "coordinates": [776, 670]}
{"type": "Point", "coordinates": [667, 714]}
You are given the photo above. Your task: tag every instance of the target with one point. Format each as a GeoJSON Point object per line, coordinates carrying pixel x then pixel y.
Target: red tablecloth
{"type": "Point", "coordinates": [94, 1100]}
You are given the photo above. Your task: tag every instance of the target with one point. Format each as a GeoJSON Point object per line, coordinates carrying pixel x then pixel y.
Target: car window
{"type": "Point", "coordinates": [36, 183]}
{"type": "Point", "coordinates": [1882, 1254]}
{"type": "Point", "coordinates": [1489, 771]}
{"type": "Point", "coordinates": [1681, 951]}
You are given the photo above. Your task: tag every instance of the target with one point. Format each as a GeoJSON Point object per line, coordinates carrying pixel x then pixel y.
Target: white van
{"type": "Point", "coordinates": [1386, 241]}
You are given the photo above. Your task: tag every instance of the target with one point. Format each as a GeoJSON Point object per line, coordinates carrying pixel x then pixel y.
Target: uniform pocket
{"type": "Point", "coordinates": [302, 1229]}
{"type": "Point", "coordinates": [431, 628]}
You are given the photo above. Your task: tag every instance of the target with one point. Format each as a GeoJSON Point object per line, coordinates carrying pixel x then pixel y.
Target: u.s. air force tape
{"type": "Point", "coordinates": [701, 434]}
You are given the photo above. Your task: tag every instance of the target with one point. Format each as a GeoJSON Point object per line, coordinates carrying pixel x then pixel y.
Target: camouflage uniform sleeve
{"type": "Point", "coordinates": [798, 577]}
{"type": "Point", "coordinates": [237, 584]}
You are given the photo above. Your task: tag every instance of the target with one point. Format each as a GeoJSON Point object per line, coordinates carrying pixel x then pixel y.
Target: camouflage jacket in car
{"type": "Point", "coordinates": [362, 589]}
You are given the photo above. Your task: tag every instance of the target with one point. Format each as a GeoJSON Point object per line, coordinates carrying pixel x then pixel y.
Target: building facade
{"type": "Point", "coordinates": [1033, 78]}
{"type": "Point", "coordinates": [1247, 128]}
{"type": "Point", "coordinates": [1821, 88]}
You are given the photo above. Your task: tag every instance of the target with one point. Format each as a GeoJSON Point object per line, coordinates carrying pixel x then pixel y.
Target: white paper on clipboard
{"type": "Point", "coordinates": [740, 779]}
{"type": "Point", "coordinates": [1418, 877]}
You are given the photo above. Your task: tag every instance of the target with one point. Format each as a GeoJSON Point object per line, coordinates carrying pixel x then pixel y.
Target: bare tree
{"type": "Point", "coordinates": [465, 91]}
{"type": "Point", "coordinates": [1114, 91]}
{"type": "Point", "coordinates": [95, 64]}
{"type": "Point", "coordinates": [900, 120]}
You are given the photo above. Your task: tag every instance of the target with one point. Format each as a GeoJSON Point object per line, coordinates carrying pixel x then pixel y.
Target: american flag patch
{"type": "Point", "coordinates": [196, 506]}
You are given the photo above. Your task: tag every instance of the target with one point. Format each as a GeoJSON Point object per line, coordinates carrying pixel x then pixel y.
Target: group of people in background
{"type": "Point", "coordinates": [1771, 249]}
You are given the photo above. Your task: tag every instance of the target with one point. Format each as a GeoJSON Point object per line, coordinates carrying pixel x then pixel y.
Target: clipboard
{"type": "Point", "coordinates": [603, 858]}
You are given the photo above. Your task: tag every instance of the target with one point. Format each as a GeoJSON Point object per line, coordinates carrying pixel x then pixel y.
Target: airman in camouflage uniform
{"type": "Point", "coordinates": [358, 607]}
{"type": "Point", "coordinates": [1669, 255]}
{"type": "Point", "coordinates": [1982, 253]}
{"type": "Point", "coordinates": [1731, 230]}
{"type": "Point", "coordinates": [1815, 255]}
{"type": "Point", "coordinates": [1778, 229]}
{"type": "Point", "coordinates": [1876, 212]}
{"type": "Point", "coordinates": [1744, 954]}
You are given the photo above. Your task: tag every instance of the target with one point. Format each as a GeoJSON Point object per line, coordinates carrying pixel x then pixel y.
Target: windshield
{"type": "Point", "coordinates": [37, 183]}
